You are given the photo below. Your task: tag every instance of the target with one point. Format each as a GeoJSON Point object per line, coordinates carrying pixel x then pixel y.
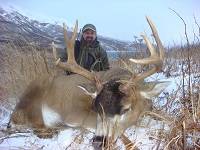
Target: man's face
{"type": "Point", "coordinates": [89, 36]}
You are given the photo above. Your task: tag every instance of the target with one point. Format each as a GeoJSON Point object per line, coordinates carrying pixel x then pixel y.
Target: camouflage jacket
{"type": "Point", "coordinates": [92, 57]}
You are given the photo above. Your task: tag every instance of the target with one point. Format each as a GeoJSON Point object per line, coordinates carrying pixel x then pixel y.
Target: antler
{"type": "Point", "coordinates": [155, 58]}
{"type": "Point", "coordinates": [71, 64]}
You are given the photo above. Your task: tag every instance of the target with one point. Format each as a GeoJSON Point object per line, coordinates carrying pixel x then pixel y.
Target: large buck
{"type": "Point", "coordinates": [106, 102]}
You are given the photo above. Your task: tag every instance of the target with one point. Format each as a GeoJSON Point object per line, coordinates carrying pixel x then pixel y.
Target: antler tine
{"type": "Point", "coordinates": [155, 58]}
{"type": "Point", "coordinates": [150, 60]}
{"type": "Point", "coordinates": [75, 31]}
{"type": "Point", "coordinates": [70, 42]}
{"type": "Point", "coordinates": [149, 45]}
{"type": "Point", "coordinates": [65, 34]}
{"type": "Point", "coordinates": [156, 36]}
{"type": "Point", "coordinates": [71, 64]}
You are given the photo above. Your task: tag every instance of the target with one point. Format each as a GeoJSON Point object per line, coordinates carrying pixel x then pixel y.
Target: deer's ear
{"type": "Point", "coordinates": [153, 89]}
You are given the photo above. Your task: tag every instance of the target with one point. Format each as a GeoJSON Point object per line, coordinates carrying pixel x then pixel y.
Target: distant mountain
{"type": "Point", "coordinates": [20, 29]}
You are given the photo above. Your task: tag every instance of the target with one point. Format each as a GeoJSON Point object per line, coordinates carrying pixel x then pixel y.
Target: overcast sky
{"type": "Point", "coordinates": [121, 19]}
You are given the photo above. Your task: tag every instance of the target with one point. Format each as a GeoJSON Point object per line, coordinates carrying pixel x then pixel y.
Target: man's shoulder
{"type": "Point", "coordinates": [99, 45]}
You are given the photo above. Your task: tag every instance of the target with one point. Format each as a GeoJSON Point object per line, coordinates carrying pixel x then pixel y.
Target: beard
{"type": "Point", "coordinates": [89, 40]}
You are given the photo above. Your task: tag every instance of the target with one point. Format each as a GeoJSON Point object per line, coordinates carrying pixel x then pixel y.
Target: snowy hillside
{"type": "Point", "coordinates": [18, 28]}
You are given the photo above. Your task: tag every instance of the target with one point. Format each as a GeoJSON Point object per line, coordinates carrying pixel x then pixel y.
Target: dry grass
{"type": "Point", "coordinates": [184, 131]}
{"type": "Point", "coordinates": [21, 65]}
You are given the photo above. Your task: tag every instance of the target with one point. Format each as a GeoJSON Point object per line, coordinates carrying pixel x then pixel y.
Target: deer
{"type": "Point", "coordinates": [105, 102]}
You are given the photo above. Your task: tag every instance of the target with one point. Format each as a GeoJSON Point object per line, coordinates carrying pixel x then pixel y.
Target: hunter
{"type": "Point", "coordinates": [88, 51]}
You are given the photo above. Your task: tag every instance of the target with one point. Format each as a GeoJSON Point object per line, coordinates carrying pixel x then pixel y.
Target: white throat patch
{"type": "Point", "coordinates": [50, 117]}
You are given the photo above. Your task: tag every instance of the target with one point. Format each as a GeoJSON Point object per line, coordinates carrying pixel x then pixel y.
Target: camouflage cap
{"type": "Point", "coordinates": [89, 27]}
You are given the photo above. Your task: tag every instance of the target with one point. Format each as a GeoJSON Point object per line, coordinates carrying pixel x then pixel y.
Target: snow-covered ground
{"type": "Point", "coordinates": [71, 138]}
{"type": "Point", "coordinates": [66, 138]}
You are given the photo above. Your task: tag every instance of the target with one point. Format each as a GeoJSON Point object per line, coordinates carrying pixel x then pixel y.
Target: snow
{"type": "Point", "coordinates": [33, 142]}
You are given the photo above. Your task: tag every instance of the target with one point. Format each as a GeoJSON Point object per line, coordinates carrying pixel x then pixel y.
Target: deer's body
{"type": "Point", "coordinates": [61, 95]}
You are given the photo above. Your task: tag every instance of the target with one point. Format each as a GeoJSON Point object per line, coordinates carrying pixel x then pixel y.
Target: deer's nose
{"type": "Point", "coordinates": [99, 142]}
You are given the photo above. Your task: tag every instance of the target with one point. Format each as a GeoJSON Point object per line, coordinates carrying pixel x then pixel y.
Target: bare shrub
{"type": "Point", "coordinates": [21, 65]}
